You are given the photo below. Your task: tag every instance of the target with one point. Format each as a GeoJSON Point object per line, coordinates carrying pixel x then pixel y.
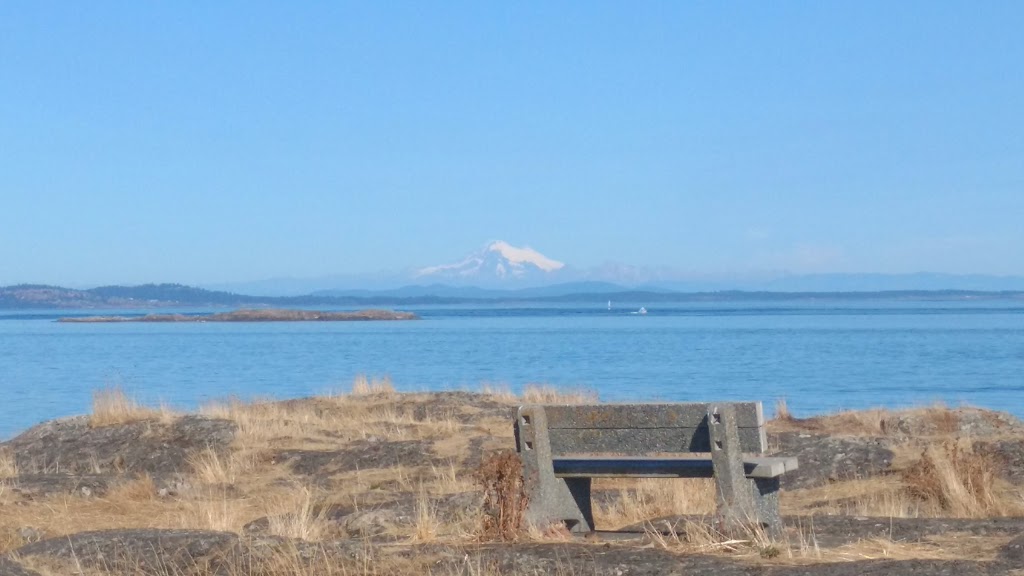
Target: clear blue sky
{"type": "Point", "coordinates": [205, 142]}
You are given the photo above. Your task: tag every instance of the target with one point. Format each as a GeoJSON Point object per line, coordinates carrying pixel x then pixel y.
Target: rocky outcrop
{"type": "Point", "coordinates": [826, 458]}
{"type": "Point", "coordinates": [71, 446]}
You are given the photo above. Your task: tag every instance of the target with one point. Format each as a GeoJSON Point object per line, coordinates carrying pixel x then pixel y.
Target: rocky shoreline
{"type": "Point", "coordinates": [257, 315]}
{"type": "Point", "coordinates": [383, 483]}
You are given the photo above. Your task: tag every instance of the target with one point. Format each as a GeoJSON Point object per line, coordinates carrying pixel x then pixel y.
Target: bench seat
{"type": "Point", "coordinates": [674, 467]}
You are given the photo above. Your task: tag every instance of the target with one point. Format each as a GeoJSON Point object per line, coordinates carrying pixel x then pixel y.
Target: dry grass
{"type": "Point", "coordinates": [646, 498]}
{"type": "Point", "coordinates": [426, 525]}
{"type": "Point", "coordinates": [229, 489]}
{"type": "Point", "coordinates": [139, 489]}
{"type": "Point", "coordinates": [8, 464]}
{"type": "Point", "coordinates": [363, 386]}
{"type": "Point", "coordinates": [112, 406]}
{"type": "Point", "coordinates": [935, 421]}
{"type": "Point", "coordinates": [782, 411]}
{"type": "Point", "coordinates": [702, 537]}
{"type": "Point", "coordinates": [960, 483]}
{"type": "Point", "coordinates": [210, 467]}
{"type": "Point", "coordinates": [544, 394]}
{"type": "Point", "coordinates": [295, 514]}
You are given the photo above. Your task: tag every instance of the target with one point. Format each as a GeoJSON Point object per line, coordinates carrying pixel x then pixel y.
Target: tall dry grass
{"type": "Point", "coordinates": [363, 386]}
{"type": "Point", "coordinates": [296, 514]}
{"type": "Point", "coordinates": [642, 499]}
{"type": "Point", "coordinates": [960, 482]}
{"type": "Point", "coordinates": [8, 464]}
{"type": "Point", "coordinates": [112, 406]}
{"type": "Point", "coordinates": [782, 412]}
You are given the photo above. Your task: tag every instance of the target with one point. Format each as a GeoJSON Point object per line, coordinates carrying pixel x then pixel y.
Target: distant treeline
{"type": "Point", "coordinates": [28, 296]}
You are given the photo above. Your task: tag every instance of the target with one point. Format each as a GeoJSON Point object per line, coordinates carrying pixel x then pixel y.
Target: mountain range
{"type": "Point", "coordinates": [500, 265]}
{"type": "Point", "coordinates": [503, 272]}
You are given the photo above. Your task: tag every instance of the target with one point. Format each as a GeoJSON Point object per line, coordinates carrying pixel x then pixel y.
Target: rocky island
{"type": "Point", "coordinates": [263, 315]}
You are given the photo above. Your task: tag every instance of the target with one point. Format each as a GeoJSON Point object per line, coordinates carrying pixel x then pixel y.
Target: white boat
{"type": "Point", "coordinates": [642, 310]}
{"type": "Point", "coordinates": [609, 304]}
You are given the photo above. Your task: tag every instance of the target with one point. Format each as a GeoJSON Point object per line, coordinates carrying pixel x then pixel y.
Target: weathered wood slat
{"type": "Point", "coordinates": [668, 415]}
{"type": "Point", "coordinates": [689, 467]}
{"type": "Point", "coordinates": [638, 441]}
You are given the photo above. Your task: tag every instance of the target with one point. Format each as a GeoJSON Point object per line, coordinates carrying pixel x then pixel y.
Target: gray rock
{"type": "Point", "coordinates": [828, 458]}
{"type": "Point", "coordinates": [71, 446]}
{"type": "Point", "coordinates": [139, 551]}
{"type": "Point", "coordinates": [1009, 453]}
{"type": "Point", "coordinates": [359, 455]}
{"type": "Point", "coordinates": [9, 567]}
{"type": "Point", "coordinates": [32, 486]}
{"type": "Point", "coordinates": [1013, 552]}
{"type": "Point", "coordinates": [386, 517]}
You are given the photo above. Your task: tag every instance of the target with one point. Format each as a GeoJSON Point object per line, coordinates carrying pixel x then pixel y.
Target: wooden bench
{"type": "Point", "coordinates": [563, 447]}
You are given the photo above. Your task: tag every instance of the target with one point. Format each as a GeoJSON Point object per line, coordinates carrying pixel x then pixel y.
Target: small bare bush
{"type": "Point", "coordinates": [957, 480]}
{"type": "Point", "coordinates": [505, 499]}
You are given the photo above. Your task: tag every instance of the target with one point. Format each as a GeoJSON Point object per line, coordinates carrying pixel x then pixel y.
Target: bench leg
{"type": "Point", "coordinates": [552, 501]}
{"type": "Point", "coordinates": [558, 502]}
{"type": "Point", "coordinates": [743, 503]}
{"type": "Point", "coordinates": [766, 504]}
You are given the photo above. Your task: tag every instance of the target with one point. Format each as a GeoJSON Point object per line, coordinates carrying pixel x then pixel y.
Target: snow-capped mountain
{"type": "Point", "coordinates": [498, 262]}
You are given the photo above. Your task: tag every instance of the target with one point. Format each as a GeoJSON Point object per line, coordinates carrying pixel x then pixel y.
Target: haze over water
{"type": "Point", "coordinates": [819, 356]}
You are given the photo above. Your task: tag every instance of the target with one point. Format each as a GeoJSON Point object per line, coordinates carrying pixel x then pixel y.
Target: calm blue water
{"type": "Point", "coordinates": [819, 356]}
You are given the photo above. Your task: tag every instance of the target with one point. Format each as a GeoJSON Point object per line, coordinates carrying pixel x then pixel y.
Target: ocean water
{"type": "Point", "coordinates": [819, 356]}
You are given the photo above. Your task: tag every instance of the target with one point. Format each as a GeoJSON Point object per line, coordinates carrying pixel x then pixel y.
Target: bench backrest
{"type": "Point", "coordinates": [633, 429]}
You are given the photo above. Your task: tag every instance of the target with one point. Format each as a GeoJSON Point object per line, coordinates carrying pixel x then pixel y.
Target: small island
{"type": "Point", "coordinates": [267, 315]}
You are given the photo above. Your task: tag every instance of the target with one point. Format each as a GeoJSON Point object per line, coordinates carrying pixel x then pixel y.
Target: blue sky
{"type": "Point", "coordinates": [211, 142]}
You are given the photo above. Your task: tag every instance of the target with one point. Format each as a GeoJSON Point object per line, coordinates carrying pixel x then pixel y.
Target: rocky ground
{"type": "Point", "coordinates": [383, 483]}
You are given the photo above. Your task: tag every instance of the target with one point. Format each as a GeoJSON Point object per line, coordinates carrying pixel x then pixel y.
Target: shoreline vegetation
{"type": "Point", "coordinates": [375, 481]}
{"type": "Point", "coordinates": [255, 315]}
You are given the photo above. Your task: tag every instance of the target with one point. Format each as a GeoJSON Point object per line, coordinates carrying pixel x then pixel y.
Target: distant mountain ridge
{"type": "Point", "coordinates": [499, 265]}
{"type": "Point", "coordinates": [149, 296]}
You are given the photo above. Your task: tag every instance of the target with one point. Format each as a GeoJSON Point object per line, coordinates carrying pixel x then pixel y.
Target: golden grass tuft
{"type": "Point", "coordinates": [499, 392]}
{"type": "Point", "coordinates": [363, 386]}
{"type": "Point", "coordinates": [8, 464]}
{"type": "Point", "coordinates": [296, 515]}
{"type": "Point", "coordinates": [216, 509]}
{"type": "Point", "coordinates": [545, 394]}
{"type": "Point", "coordinates": [139, 489]}
{"type": "Point", "coordinates": [111, 406]}
{"type": "Point", "coordinates": [958, 481]}
{"type": "Point", "coordinates": [782, 412]}
{"type": "Point", "coordinates": [426, 524]}
{"type": "Point", "coordinates": [211, 467]}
